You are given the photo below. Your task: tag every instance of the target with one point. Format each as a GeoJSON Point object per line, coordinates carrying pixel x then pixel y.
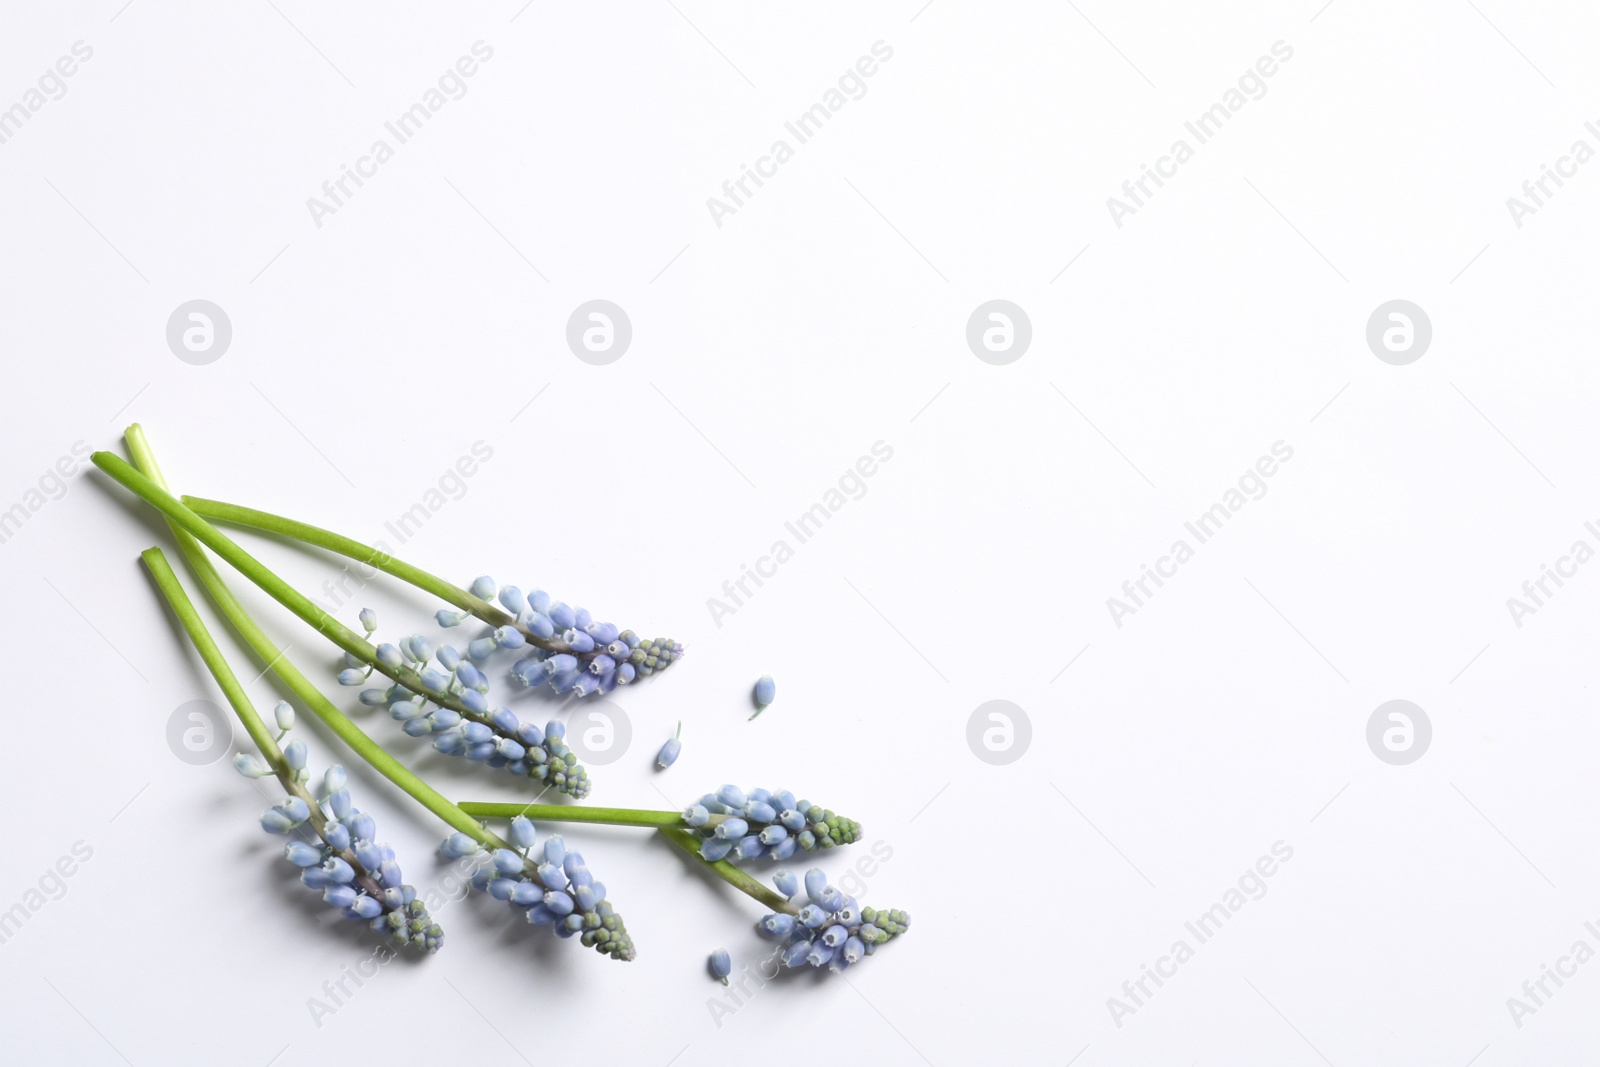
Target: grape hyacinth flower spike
{"type": "Point", "coordinates": [555, 890]}
{"type": "Point", "coordinates": [356, 874]}
{"type": "Point", "coordinates": [831, 929]}
{"type": "Point", "coordinates": [449, 703]}
{"type": "Point", "coordinates": [567, 649]}
{"type": "Point", "coordinates": [742, 825]}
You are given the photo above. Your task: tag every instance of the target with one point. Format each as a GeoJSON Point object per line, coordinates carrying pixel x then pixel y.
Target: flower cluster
{"type": "Point", "coordinates": [356, 875]}
{"type": "Point", "coordinates": [832, 928]}
{"type": "Point", "coordinates": [743, 826]}
{"type": "Point", "coordinates": [449, 702]}
{"type": "Point", "coordinates": [556, 891]}
{"type": "Point", "coordinates": [567, 649]}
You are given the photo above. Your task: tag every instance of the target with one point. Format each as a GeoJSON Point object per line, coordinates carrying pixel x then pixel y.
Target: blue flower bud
{"type": "Point", "coordinates": [834, 936]}
{"type": "Point", "coordinates": [558, 902]}
{"type": "Point", "coordinates": [832, 900]}
{"type": "Point", "coordinates": [733, 827]}
{"type": "Point", "coordinates": [361, 826]}
{"type": "Point", "coordinates": [449, 657]}
{"type": "Point", "coordinates": [510, 749]}
{"type": "Point", "coordinates": [555, 850]}
{"type": "Point", "coordinates": [481, 648]}
{"type": "Point", "coordinates": [337, 835]}
{"type": "Point", "coordinates": [572, 866]}
{"type": "Point", "coordinates": [459, 844]}
{"type": "Point", "coordinates": [502, 888]}
{"type": "Point", "coordinates": [602, 664]}
{"type": "Point", "coordinates": [771, 835]}
{"type": "Point", "coordinates": [792, 820]}
{"type": "Point", "coordinates": [696, 815]}
{"type": "Point", "coordinates": [340, 804]}
{"type": "Point", "coordinates": [421, 648]}
{"type": "Point", "coordinates": [284, 714]}
{"type": "Point", "coordinates": [589, 896]}
{"type": "Point", "coordinates": [713, 849]}
{"type": "Point", "coordinates": [669, 751]}
{"type": "Point", "coordinates": [250, 766]}
{"type": "Point", "coordinates": [483, 587]}
{"type": "Point", "coordinates": [816, 882]}
{"type": "Point", "coordinates": [434, 680]}
{"type": "Point", "coordinates": [295, 755]}
{"type": "Point", "coordinates": [374, 698]}
{"type": "Point", "coordinates": [603, 632]}
{"type": "Point", "coordinates": [732, 796]}
{"type": "Point", "coordinates": [778, 924]}
{"type": "Point", "coordinates": [786, 882]}
{"type": "Point", "coordinates": [444, 719]}
{"type": "Point", "coordinates": [783, 850]}
{"type": "Point", "coordinates": [507, 862]}
{"type": "Point", "coordinates": [540, 915]}
{"type": "Point", "coordinates": [795, 954]}
{"type": "Point", "coordinates": [369, 619]}
{"type": "Point", "coordinates": [340, 896]}
{"type": "Point", "coordinates": [522, 832]}
{"type": "Point", "coordinates": [748, 848]}
{"type": "Point", "coordinates": [352, 676]}
{"type": "Point", "coordinates": [626, 674]}
{"type": "Point", "coordinates": [854, 949]}
{"type": "Point", "coordinates": [721, 964]}
{"type": "Point", "coordinates": [540, 626]}
{"type": "Point", "coordinates": [539, 601]}
{"type": "Point", "coordinates": [562, 615]}
{"type": "Point", "coordinates": [512, 598]}
{"type": "Point", "coordinates": [314, 877]}
{"type": "Point", "coordinates": [476, 733]}
{"type": "Point", "coordinates": [447, 618]}
{"type": "Point", "coordinates": [509, 637]}
{"type": "Point", "coordinates": [301, 854]}
{"type": "Point", "coordinates": [369, 854]}
{"type": "Point", "coordinates": [296, 809]}
{"type": "Point", "coordinates": [555, 729]}
{"type": "Point", "coordinates": [389, 656]}
{"type": "Point", "coordinates": [766, 690]}
{"type": "Point", "coordinates": [578, 640]}
{"type": "Point", "coordinates": [582, 619]}
{"type": "Point", "coordinates": [819, 954]}
{"type": "Point", "coordinates": [760, 811]}
{"type": "Point", "coordinates": [526, 894]}
{"type": "Point", "coordinates": [473, 701]}
{"type": "Point", "coordinates": [338, 870]}
{"type": "Point", "coordinates": [333, 780]}
{"type": "Point", "coordinates": [782, 800]}
{"type": "Point", "coordinates": [367, 907]}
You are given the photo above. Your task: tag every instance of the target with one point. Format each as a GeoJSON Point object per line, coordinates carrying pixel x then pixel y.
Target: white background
{"type": "Point", "coordinates": [768, 354]}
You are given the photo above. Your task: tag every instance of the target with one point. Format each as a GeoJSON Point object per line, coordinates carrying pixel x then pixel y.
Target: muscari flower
{"type": "Point", "coordinates": [669, 751]}
{"type": "Point", "coordinates": [450, 704]}
{"type": "Point", "coordinates": [553, 887]}
{"type": "Point", "coordinates": [831, 929]}
{"type": "Point", "coordinates": [356, 874]}
{"type": "Point", "coordinates": [743, 826]}
{"type": "Point", "coordinates": [568, 649]}
{"type": "Point", "coordinates": [765, 692]}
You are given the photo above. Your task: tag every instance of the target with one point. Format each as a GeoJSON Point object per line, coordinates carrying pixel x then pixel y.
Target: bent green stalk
{"type": "Point", "coordinates": [741, 881]}
{"type": "Point", "coordinates": [179, 516]}
{"type": "Point", "coordinates": [316, 536]}
{"type": "Point", "coordinates": [277, 661]}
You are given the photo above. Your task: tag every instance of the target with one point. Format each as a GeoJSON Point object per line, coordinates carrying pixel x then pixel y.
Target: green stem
{"type": "Point", "coordinates": [266, 522]}
{"type": "Point", "coordinates": [155, 494]}
{"type": "Point", "coordinates": [729, 873]}
{"type": "Point", "coordinates": [276, 660]}
{"type": "Point", "coordinates": [183, 608]}
{"type": "Point", "coordinates": [580, 813]}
